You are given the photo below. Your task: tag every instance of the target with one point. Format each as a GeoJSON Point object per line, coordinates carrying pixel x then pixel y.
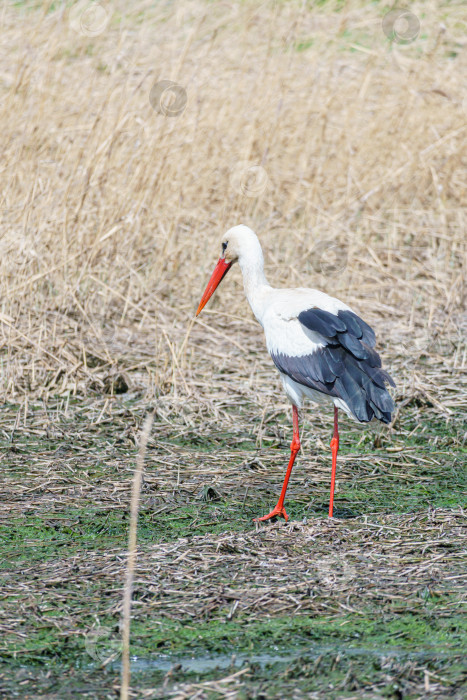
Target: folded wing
{"type": "Point", "coordinates": [344, 366]}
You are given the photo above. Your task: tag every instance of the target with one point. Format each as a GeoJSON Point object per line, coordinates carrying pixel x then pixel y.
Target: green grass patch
{"type": "Point", "coordinates": [317, 653]}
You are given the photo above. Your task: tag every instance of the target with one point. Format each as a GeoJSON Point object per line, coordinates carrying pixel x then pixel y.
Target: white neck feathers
{"type": "Point", "coordinates": [256, 286]}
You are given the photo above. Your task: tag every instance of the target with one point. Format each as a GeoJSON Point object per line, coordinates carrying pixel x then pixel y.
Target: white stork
{"type": "Point", "coordinates": [321, 348]}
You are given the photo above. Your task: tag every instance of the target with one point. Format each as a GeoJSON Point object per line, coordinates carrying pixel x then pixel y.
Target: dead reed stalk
{"type": "Point", "coordinates": [132, 538]}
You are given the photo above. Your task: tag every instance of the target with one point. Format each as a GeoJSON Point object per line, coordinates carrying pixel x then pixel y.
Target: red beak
{"type": "Point", "coordinates": [217, 276]}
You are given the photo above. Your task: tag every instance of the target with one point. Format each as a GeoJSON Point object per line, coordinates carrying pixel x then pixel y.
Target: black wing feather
{"type": "Point", "coordinates": [333, 321]}
{"type": "Point", "coordinates": [320, 322]}
{"type": "Point", "coordinates": [320, 370]}
{"type": "Point", "coordinates": [369, 336]}
{"type": "Point", "coordinates": [335, 359]}
{"type": "Point", "coordinates": [346, 367]}
{"type": "Point", "coordinates": [351, 323]}
{"type": "Point", "coordinates": [350, 343]}
{"type": "Point", "coordinates": [345, 328]}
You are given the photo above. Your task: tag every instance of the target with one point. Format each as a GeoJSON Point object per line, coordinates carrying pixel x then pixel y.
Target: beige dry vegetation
{"type": "Point", "coordinates": [111, 212]}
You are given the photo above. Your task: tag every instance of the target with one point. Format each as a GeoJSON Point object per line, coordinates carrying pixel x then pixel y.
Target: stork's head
{"type": "Point", "coordinates": [240, 243]}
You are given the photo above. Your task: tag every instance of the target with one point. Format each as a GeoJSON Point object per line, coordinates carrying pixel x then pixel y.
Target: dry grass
{"type": "Point", "coordinates": [347, 154]}
{"type": "Point", "coordinates": [111, 212]}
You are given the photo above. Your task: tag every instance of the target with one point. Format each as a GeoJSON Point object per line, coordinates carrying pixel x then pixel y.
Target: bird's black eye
{"type": "Point", "coordinates": [224, 247]}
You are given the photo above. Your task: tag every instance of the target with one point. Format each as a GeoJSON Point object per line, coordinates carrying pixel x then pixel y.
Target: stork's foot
{"type": "Point", "coordinates": [277, 512]}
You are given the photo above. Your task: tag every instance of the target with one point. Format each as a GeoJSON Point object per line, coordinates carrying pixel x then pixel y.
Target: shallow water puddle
{"type": "Point", "coordinates": [205, 664]}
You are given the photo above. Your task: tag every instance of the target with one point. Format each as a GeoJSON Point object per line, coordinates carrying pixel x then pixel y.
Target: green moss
{"type": "Point", "coordinates": [380, 633]}
{"type": "Point", "coordinates": [423, 470]}
{"type": "Point", "coordinates": [45, 535]}
{"type": "Point", "coordinates": [314, 652]}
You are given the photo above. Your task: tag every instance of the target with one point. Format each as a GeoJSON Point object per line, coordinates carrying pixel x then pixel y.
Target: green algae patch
{"type": "Point", "coordinates": [321, 606]}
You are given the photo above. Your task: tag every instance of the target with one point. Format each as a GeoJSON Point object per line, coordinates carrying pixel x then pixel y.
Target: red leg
{"type": "Point", "coordinates": [334, 449]}
{"type": "Point", "coordinates": [279, 510]}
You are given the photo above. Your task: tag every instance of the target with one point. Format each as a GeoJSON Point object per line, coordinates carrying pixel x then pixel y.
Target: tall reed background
{"type": "Point", "coordinates": [346, 152]}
